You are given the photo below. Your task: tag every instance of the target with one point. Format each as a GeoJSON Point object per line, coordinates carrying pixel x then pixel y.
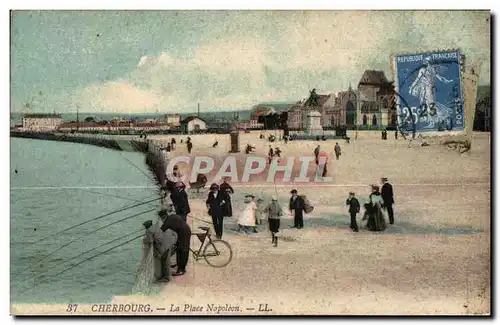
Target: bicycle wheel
{"type": "Point", "coordinates": [218, 253]}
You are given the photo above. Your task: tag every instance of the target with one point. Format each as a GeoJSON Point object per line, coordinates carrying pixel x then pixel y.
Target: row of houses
{"type": "Point", "coordinates": [54, 122]}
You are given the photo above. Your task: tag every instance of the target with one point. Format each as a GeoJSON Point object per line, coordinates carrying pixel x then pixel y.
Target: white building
{"type": "Point", "coordinates": [173, 119]}
{"type": "Point", "coordinates": [193, 124]}
{"type": "Point", "coordinates": [41, 122]}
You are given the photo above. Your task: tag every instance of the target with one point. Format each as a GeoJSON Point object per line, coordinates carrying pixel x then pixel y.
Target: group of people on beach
{"type": "Point", "coordinates": [172, 230]}
{"type": "Point", "coordinates": [171, 146]}
{"type": "Point", "coordinates": [379, 202]}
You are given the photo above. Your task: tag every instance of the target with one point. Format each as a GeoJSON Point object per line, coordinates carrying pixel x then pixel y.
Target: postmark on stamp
{"type": "Point", "coordinates": [429, 91]}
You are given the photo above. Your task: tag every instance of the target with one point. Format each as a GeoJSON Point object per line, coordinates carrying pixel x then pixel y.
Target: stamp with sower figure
{"type": "Point", "coordinates": [429, 91]}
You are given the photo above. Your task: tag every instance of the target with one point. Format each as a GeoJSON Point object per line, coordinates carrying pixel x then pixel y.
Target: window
{"type": "Point", "coordinates": [374, 120]}
{"type": "Point", "coordinates": [365, 120]}
{"type": "Point", "coordinates": [333, 121]}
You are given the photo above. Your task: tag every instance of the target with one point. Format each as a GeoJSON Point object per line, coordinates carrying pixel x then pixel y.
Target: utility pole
{"type": "Point", "coordinates": [77, 119]}
{"type": "Point", "coordinates": [198, 110]}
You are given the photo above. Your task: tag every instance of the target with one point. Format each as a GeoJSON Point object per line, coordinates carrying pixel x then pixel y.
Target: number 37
{"type": "Point", "coordinates": [72, 308]}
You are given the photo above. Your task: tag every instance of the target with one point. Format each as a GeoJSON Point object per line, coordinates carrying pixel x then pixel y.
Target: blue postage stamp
{"type": "Point", "coordinates": [429, 91]}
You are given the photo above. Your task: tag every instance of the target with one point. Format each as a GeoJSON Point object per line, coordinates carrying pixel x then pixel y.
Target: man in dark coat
{"type": "Point", "coordinates": [189, 146]}
{"type": "Point", "coordinates": [226, 188]}
{"type": "Point", "coordinates": [181, 228]}
{"type": "Point", "coordinates": [354, 208]}
{"type": "Point", "coordinates": [180, 200]}
{"type": "Point", "coordinates": [215, 205]}
{"type": "Point", "coordinates": [388, 198]}
{"type": "Point", "coordinates": [297, 204]}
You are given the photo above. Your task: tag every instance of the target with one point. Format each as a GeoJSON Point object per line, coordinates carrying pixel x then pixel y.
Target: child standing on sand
{"type": "Point", "coordinates": [246, 221]}
{"type": "Point", "coordinates": [274, 211]}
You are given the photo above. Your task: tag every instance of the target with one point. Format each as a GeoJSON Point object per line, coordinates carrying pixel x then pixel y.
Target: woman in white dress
{"type": "Point", "coordinates": [246, 221]}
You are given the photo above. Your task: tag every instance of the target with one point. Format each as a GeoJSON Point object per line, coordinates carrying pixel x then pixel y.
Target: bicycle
{"type": "Point", "coordinates": [212, 250]}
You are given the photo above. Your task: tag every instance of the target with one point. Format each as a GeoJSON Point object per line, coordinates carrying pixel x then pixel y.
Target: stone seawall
{"type": "Point", "coordinates": [100, 141]}
{"type": "Point", "coordinates": [156, 160]}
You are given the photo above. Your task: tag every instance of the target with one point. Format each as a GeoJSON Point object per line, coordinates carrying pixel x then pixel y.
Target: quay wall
{"type": "Point", "coordinates": [110, 142]}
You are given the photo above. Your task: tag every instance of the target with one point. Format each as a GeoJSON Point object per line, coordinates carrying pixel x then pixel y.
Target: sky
{"type": "Point", "coordinates": [168, 61]}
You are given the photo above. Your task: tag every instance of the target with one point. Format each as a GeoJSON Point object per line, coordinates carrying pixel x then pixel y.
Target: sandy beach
{"type": "Point", "coordinates": [434, 260]}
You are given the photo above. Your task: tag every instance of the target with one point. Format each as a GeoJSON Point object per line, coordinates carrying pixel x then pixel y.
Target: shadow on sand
{"type": "Point", "coordinates": [341, 221]}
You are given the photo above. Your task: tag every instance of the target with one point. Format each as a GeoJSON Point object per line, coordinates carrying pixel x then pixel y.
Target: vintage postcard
{"type": "Point", "coordinates": [221, 163]}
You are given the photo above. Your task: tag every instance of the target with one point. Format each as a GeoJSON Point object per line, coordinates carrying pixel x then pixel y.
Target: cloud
{"type": "Point", "coordinates": [117, 96]}
{"type": "Point", "coordinates": [279, 56]}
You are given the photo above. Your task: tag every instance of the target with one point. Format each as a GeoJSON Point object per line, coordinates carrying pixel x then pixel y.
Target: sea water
{"type": "Point", "coordinates": [58, 185]}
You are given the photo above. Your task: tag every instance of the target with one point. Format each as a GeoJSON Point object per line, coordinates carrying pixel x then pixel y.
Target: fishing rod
{"type": "Point", "coordinates": [31, 243]}
{"type": "Point", "coordinates": [200, 220]}
{"type": "Point", "coordinates": [88, 233]}
{"type": "Point", "coordinates": [138, 168]}
{"type": "Point", "coordinates": [112, 195]}
{"type": "Point", "coordinates": [96, 218]}
{"type": "Point", "coordinates": [85, 260]}
{"type": "Point", "coordinates": [88, 251]}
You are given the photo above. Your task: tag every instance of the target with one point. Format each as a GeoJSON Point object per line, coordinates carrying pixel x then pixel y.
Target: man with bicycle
{"type": "Point", "coordinates": [179, 225]}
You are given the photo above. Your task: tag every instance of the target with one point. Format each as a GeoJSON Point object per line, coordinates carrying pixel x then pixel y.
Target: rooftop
{"type": "Point", "coordinates": [42, 115]}
{"type": "Point", "coordinates": [190, 118]}
{"type": "Point", "coordinates": [373, 77]}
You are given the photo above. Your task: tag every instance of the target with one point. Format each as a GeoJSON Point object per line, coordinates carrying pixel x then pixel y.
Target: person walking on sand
{"type": "Point", "coordinates": [337, 151]}
{"type": "Point", "coordinates": [297, 204]}
{"type": "Point", "coordinates": [228, 189]}
{"type": "Point", "coordinates": [215, 203]}
{"type": "Point", "coordinates": [322, 165]}
{"type": "Point", "coordinates": [388, 198]}
{"type": "Point", "coordinates": [274, 213]}
{"type": "Point", "coordinates": [277, 152]}
{"type": "Point", "coordinates": [180, 200]}
{"type": "Point", "coordinates": [373, 211]}
{"type": "Point", "coordinates": [189, 146]}
{"type": "Point", "coordinates": [316, 154]}
{"type": "Point", "coordinates": [354, 208]}
{"type": "Point", "coordinates": [270, 154]}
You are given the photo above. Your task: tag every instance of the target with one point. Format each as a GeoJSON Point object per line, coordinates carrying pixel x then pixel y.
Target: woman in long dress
{"type": "Point", "coordinates": [246, 221]}
{"type": "Point", "coordinates": [373, 211]}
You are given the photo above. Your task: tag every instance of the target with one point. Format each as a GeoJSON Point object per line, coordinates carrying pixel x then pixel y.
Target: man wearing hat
{"type": "Point", "coordinates": [228, 189]}
{"type": "Point", "coordinates": [354, 208]}
{"type": "Point", "coordinates": [388, 197]}
{"type": "Point", "coordinates": [162, 249]}
{"type": "Point", "coordinates": [297, 204]}
{"type": "Point", "coordinates": [180, 200]}
{"type": "Point", "coordinates": [215, 204]}
{"type": "Point", "coordinates": [172, 179]}
{"type": "Point", "coordinates": [181, 228]}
